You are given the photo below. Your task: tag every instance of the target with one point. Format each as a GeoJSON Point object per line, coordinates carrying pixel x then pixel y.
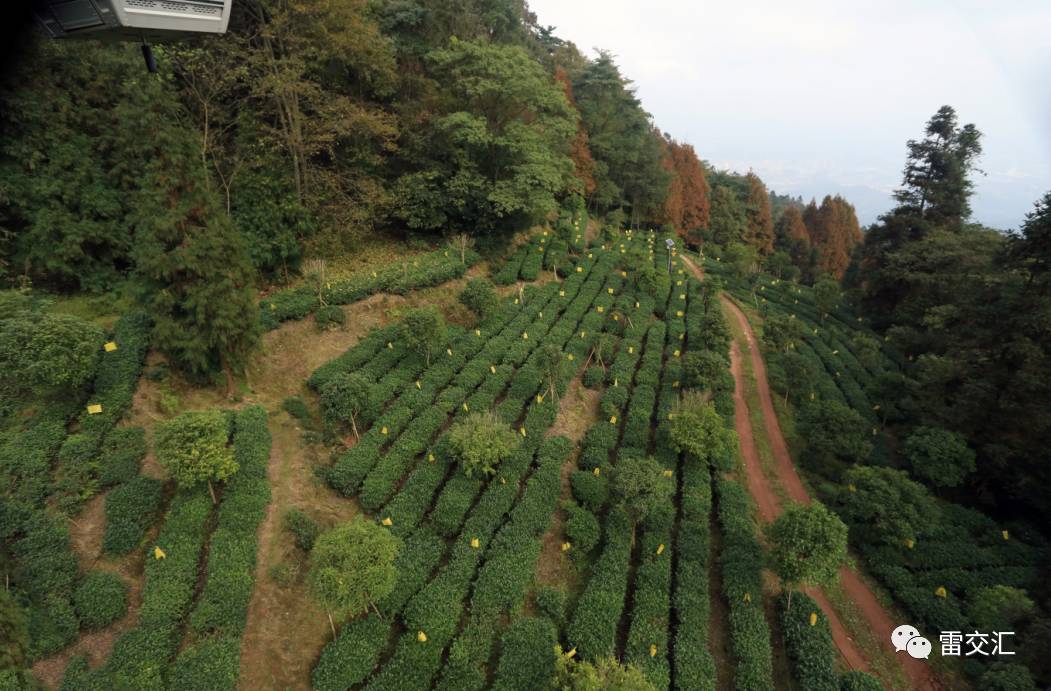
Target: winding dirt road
{"type": "Point", "coordinates": [768, 502]}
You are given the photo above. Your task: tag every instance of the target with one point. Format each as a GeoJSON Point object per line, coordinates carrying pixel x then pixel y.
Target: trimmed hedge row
{"type": "Point", "coordinates": [809, 646]}
{"type": "Point", "coordinates": [130, 510]}
{"type": "Point", "coordinates": [398, 277]}
{"type": "Point", "coordinates": [213, 658]}
{"type": "Point", "coordinates": [742, 565]}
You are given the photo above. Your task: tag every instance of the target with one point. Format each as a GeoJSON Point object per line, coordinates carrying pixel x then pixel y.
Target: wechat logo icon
{"type": "Point", "coordinates": [907, 637]}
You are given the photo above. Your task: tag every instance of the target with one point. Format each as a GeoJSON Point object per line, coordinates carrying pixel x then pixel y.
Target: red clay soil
{"type": "Point", "coordinates": [875, 616]}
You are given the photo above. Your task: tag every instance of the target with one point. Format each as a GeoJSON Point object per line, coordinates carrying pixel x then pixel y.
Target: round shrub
{"type": "Point", "coordinates": [594, 377]}
{"type": "Point", "coordinates": [480, 441]}
{"type": "Point", "coordinates": [101, 599]}
{"type": "Point", "coordinates": [939, 456]}
{"type": "Point", "coordinates": [48, 351]}
{"type": "Point", "coordinates": [52, 626]}
{"type": "Point", "coordinates": [329, 317]}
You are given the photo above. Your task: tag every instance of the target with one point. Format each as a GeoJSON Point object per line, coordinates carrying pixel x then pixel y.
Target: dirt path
{"type": "Point", "coordinates": [874, 615]}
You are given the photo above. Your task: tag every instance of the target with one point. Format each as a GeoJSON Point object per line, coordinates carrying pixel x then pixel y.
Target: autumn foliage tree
{"type": "Point", "coordinates": [759, 232]}
{"type": "Point", "coordinates": [579, 151]}
{"type": "Point", "coordinates": [687, 206]}
{"type": "Point", "coordinates": [834, 232]}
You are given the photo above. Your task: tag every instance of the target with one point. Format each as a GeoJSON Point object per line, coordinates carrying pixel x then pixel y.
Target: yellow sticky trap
{"type": "Point", "coordinates": [384, 430]}
{"type": "Point", "coordinates": [678, 283]}
{"type": "Point", "coordinates": [570, 356]}
{"type": "Point", "coordinates": [596, 472]}
{"type": "Point", "coordinates": [565, 548]}
{"type": "Point", "coordinates": [668, 472]}
{"type": "Point", "coordinates": [747, 597]}
{"type": "Point", "coordinates": [272, 307]}
{"type": "Point", "coordinates": [390, 346]}
{"type": "Point", "coordinates": [503, 481]}
{"type": "Point", "coordinates": [579, 269]}
{"type": "Point", "coordinates": [616, 317]}
{"type": "Point", "coordinates": [1005, 534]}
{"type": "Point", "coordinates": [941, 591]}
{"type": "Point", "coordinates": [418, 386]}
{"type": "Point", "coordinates": [682, 337]}
{"type": "Point", "coordinates": [583, 333]}
{"type": "Point", "coordinates": [675, 384]}
{"type": "Point", "coordinates": [835, 352]}
{"type": "Point", "coordinates": [522, 430]}
{"type": "Point", "coordinates": [682, 296]}
{"type": "Point", "coordinates": [613, 420]}
{"type": "Point", "coordinates": [910, 543]}
{"type": "Point", "coordinates": [110, 346]}
{"type": "Point", "coordinates": [525, 335]}
{"type": "Point", "coordinates": [430, 458]}
{"type": "Point", "coordinates": [677, 353]}
{"type": "Point", "coordinates": [660, 548]}
{"type": "Point", "coordinates": [653, 650]}
{"type": "Point", "coordinates": [328, 284]}
{"type": "Point", "coordinates": [671, 416]}
{"type": "Point", "coordinates": [623, 274]}
{"type": "Point", "coordinates": [678, 313]}
{"type": "Point", "coordinates": [374, 274]}
{"type": "Point", "coordinates": [600, 309]}
{"type": "Point", "coordinates": [876, 407]}
{"type": "Point", "coordinates": [813, 618]}
{"type": "Point", "coordinates": [474, 543]}
{"type": "Point", "coordinates": [615, 381]}
{"type": "Point", "coordinates": [387, 521]}
{"type": "Point", "coordinates": [158, 553]}
{"type": "Point", "coordinates": [539, 398]}
{"type": "Point", "coordinates": [94, 409]}
{"type": "Point", "coordinates": [631, 350]}
{"type": "Point", "coordinates": [591, 255]}
{"type": "Point", "coordinates": [636, 304]}
{"type": "Point", "coordinates": [449, 351]}
{"type": "Point", "coordinates": [492, 368]}
{"type": "Point", "coordinates": [477, 332]}
{"type": "Point", "coordinates": [421, 637]}
{"type": "Point", "coordinates": [516, 301]}
{"type": "Point", "coordinates": [561, 293]}
{"type": "Point", "coordinates": [465, 406]}
{"type": "Point", "coordinates": [609, 290]}
{"type": "Point", "coordinates": [540, 314]}
{"type": "Point", "coordinates": [852, 488]}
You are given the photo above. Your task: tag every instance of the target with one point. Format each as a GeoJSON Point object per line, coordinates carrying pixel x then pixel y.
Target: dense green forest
{"type": "Point", "coordinates": [452, 489]}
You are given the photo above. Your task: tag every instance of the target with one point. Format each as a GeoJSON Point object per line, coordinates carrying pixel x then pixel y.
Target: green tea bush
{"type": "Point", "coordinates": [211, 663]}
{"type": "Point", "coordinates": [304, 529]}
{"type": "Point", "coordinates": [810, 647]}
{"type": "Point", "coordinates": [594, 377]}
{"type": "Point", "coordinates": [100, 599]}
{"type": "Point", "coordinates": [582, 528]}
{"type": "Point", "coordinates": [590, 490]}
{"type": "Point", "coordinates": [479, 297]}
{"type": "Point", "coordinates": [859, 681]}
{"type": "Point", "coordinates": [351, 657]}
{"type": "Point", "coordinates": [53, 625]}
{"type": "Point", "coordinates": [552, 603]}
{"type": "Point", "coordinates": [329, 317]}
{"type": "Point", "coordinates": [130, 510]}
{"type": "Point", "coordinates": [121, 455]}
{"type": "Point", "coordinates": [527, 657]}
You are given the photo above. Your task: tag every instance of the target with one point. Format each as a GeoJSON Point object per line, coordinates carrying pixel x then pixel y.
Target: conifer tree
{"type": "Point", "coordinates": [760, 229]}
{"type": "Point", "coordinates": [193, 265]}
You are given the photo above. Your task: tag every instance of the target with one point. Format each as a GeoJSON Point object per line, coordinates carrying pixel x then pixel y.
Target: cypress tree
{"type": "Point", "coordinates": [193, 265]}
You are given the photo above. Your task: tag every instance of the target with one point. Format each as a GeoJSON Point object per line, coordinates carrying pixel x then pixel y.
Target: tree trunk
{"type": "Point", "coordinates": [789, 608]}
{"type": "Point", "coordinates": [331, 624]}
{"type": "Point", "coordinates": [211, 491]}
{"type": "Point", "coordinates": [354, 426]}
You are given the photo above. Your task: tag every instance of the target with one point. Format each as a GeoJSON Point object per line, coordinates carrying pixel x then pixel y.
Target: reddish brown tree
{"type": "Point", "coordinates": [759, 232]}
{"type": "Point", "coordinates": [834, 232]}
{"type": "Point", "coordinates": [687, 205]}
{"type": "Point", "coordinates": [579, 151]}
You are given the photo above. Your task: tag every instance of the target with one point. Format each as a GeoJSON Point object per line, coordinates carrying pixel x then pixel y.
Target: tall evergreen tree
{"type": "Point", "coordinates": [195, 272]}
{"type": "Point", "coordinates": [728, 217]}
{"type": "Point", "coordinates": [834, 235]}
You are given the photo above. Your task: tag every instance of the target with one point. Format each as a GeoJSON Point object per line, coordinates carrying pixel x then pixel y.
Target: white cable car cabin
{"type": "Point", "coordinates": [133, 20]}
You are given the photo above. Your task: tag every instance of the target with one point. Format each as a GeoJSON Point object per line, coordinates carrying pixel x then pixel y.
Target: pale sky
{"type": "Point", "coordinates": [820, 96]}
